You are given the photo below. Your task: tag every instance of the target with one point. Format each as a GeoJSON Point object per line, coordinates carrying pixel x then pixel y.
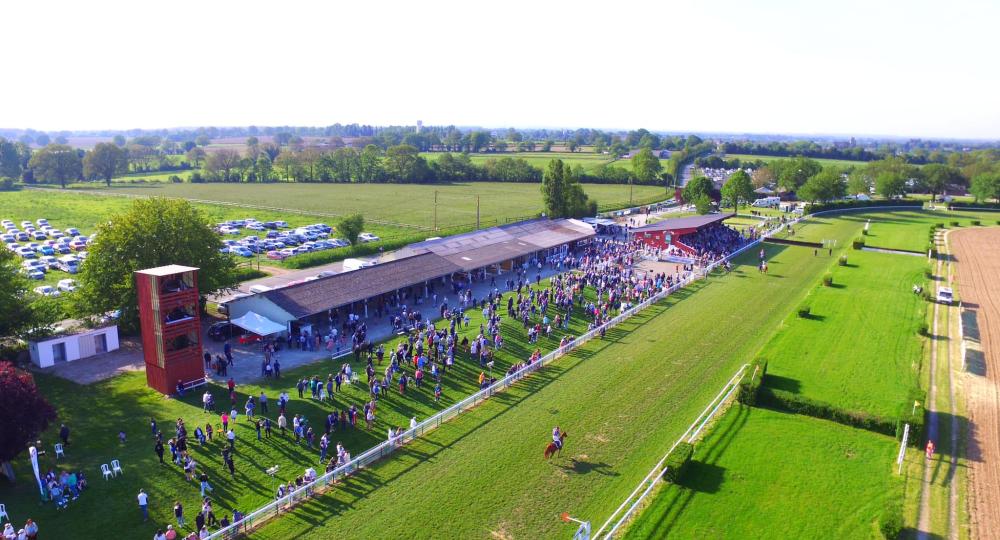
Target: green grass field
{"type": "Point", "coordinates": [908, 230]}
{"type": "Point", "coordinates": [822, 161]}
{"type": "Point", "coordinates": [587, 160]}
{"type": "Point", "coordinates": [415, 203]}
{"type": "Point", "coordinates": [767, 474]}
{"type": "Point", "coordinates": [96, 413]}
{"type": "Point", "coordinates": [623, 401]}
{"type": "Point", "coordinates": [860, 349]}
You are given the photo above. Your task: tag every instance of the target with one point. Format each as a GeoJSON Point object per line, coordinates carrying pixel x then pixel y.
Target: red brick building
{"type": "Point", "coordinates": [670, 232]}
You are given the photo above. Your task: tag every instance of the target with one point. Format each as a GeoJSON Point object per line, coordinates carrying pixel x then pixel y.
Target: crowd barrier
{"type": "Point", "coordinates": [324, 481]}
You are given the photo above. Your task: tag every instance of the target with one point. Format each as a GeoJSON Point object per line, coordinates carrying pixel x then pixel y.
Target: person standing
{"type": "Point", "coordinates": [64, 434]}
{"type": "Point", "coordinates": [205, 486]}
{"type": "Point", "coordinates": [263, 402]}
{"type": "Point", "coordinates": [179, 509]}
{"type": "Point", "coordinates": [158, 448]}
{"type": "Point", "coordinates": [231, 436]}
{"type": "Point", "coordinates": [259, 424]}
{"type": "Point", "coordinates": [227, 350]}
{"type": "Point", "coordinates": [282, 423]}
{"type": "Point", "coordinates": [143, 504]}
{"type": "Point", "coordinates": [30, 530]}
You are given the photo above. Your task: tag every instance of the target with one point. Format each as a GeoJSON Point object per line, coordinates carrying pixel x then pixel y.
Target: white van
{"type": "Point", "coordinates": [356, 264]}
{"type": "Point", "coordinates": [767, 202]}
{"type": "Point", "coordinates": [257, 289]}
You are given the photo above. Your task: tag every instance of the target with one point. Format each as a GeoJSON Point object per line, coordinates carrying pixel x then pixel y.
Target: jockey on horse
{"type": "Point", "coordinates": [557, 442]}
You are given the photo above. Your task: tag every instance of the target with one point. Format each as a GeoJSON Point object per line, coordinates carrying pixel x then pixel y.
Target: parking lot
{"type": "Point", "coordinates": [279, 241]}
{"type": "Point", "coordinates": [47, 252]}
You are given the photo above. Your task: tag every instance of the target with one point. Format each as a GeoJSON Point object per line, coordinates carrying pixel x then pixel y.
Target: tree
{"type": "Point", "coordinates": [42, 139]}
{"type": "Point", "coordinates": [220, 164]}
{"type": "Point", "coordinates": [890, 185]}
{"type": "Point", "coordinates": [697, 186]}
{"type": "Point", "coordinates": [202, 140]}
{"type": "Point", "coordinates": [403, 163]}
{"type": "Point", "coordinates": [702, 204]}
{"type": "Point", "coordinates": [105, 161]}
{"type": "Point", "coordinates": [986, 186]}
{"type": "Point", "coordinates": [860, 181]}
{"type": "Point", "coordinates": [794, 172]}
{"type": "Point", "coordinates": [738, 189]}
{"type": "Point", "coordinates": [195, 156]}
{"type": "Point", "coordinates": [562, 193]}
{"type": "Point", "coordinates": [351, 226]}
{"type": "Point", "coordinates": [21, 315]}
{"type": "Point", "coordinates": [764, 176]}
{"type": "Point", "coordinates": [118, 140]}
{"type": "Point", "coordinates": [252, 142]}
{"type": "Point", "coordinates": [56, 163]}
{"type": "Point", "coordinates": [26, 413]}
{"type": "Point", "coordinates": [646, 166]}
{"type": "Point", "coordinates": [937, 177]}
{"type": "Point", "coordinates": [826, 186]}
{"type": "Point", "coordinates": [152, 232]}
{"type": "Point", "coordinates": [10, 159]}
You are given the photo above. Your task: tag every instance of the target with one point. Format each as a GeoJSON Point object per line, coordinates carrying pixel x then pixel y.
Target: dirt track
{"type": "Point", "coordinates": [977, 252]}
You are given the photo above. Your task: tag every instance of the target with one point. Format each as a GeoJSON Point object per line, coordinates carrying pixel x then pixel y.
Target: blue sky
{"type": "Point", "coordinates": [911, 68]}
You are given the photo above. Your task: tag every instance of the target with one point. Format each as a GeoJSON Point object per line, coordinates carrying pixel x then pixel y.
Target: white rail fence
{"type": "Point", "coordinates": [292, 499]}
{"type": "Point", "coordinates": [656, 473]}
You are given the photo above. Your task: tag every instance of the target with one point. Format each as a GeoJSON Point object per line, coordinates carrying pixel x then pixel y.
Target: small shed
{"type": "Point", "coordinates": [74, 346]}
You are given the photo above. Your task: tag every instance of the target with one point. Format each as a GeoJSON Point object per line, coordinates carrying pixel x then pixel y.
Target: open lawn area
{"type": "Point", "coordinates": [767, 474]}
{"type": "Point", "coordinates": [96, 413]}
{"type": "Point", "coordinates": [407, 204]}
{"type": "Point", "coordinates": [859, 350]}
{"type": "Point", "coordinates": [908, 230]}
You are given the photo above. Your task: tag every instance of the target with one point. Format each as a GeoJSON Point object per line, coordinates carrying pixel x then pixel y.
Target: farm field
{"type": "Point", "coordinates": [767, 474]}
{"type": "Point", "coordinates": [860, 349]}
{"type": "Point", "coordinates": [587, 160]}
{"type": "Point", "coordinates": [456, 202]}
{"type": "Point", "coordinates": [822, 161]}
{"type": "Point", "coordinates": [622, 402]}
{"type": "Point", "coordinates": [96, 412]}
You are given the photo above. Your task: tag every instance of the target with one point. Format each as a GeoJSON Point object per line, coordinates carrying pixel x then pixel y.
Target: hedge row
{"type": "Point", "coordinates": [788, 401]}
{"type": "Point", "coordinates": [847, 205]}
{"type": "Point", "coordinates": [750, 385]}
{"type": "Point", "coordinates": [912, 412]}
{"type": "Point", "coordinates": [677, 462]}
{"type": "Point", "coordinates": [890, 520]}
{"type": "Point", "coordinates": [983, 205]}
{"type": "Point", "coordinates": [858, 242]}
{"type": "Point", "coordinates": [316, 258]}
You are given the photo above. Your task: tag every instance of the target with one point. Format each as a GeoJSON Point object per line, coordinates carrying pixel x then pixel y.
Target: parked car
{"type": "Point", "coordinates": [945, 295]}
{"type": "Point", "coordinates": [26, 252]}
{"type": "Point", "coordinates": [25, 224]}
{"type": "Point", "coordinates": [270, 225]}
{"type": "Point", "coordinates": [39, 235]}
{"type": "Point", "coordinates": [222, 331]}
{"type": "Point", "coordinates": [275, 255]}
{"type": "Point", "coordinates": [46, 250]}
{"type": "Point", "coordinates": [241, 251]}
{"type": "Point", "coordinates": [66, 285]}
{"type": "Point", "coordinates": [7, 237]}
{"type": "Point", "coordinates": [367, 237]}
{"type": "Point", "coordinates": [35, 274]}
{"type": "Point", "coordinates": [47, 290]}
{"type": "Point", "coordinates": [48, 260]}
{"type": "Point", "coordinates": [72, 231]}
{"type": "Point", "coordinates": [22, 237]}
{"type": "Point", "coordinates": [281, 224]}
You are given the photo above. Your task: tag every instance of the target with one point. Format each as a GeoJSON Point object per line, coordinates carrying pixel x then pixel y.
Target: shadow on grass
{"type": "Point", "coordinates": [778, 382]}
{"type": "Point", "coordinates": [585, 467]}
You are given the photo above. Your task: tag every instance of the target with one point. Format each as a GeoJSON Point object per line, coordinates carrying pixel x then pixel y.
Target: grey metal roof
{"type": "Point", "coordinates": [692, 222]}
{"type": "Point", "coordinates": [311, 297]}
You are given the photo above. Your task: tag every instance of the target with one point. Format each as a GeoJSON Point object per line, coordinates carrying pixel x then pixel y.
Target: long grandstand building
{"type": "Point", "coordinates": [407, 275]}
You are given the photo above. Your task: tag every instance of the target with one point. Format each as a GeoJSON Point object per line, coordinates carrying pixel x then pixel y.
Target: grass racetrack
{"type": "Point", "coordinates": [767, 474]}
{"type": "Point", "coordinates": [859, 350]}
{"type": "Point", "coordinates": [622, 401]}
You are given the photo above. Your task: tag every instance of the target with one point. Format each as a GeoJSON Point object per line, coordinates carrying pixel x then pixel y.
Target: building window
{"type": "Point", "coordinates": [100, 343]}
{"type": "Point", "coordinates": [59, 352]}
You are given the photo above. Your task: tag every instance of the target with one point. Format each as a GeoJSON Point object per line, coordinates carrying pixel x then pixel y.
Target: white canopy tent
{"type": "Point", "coordinates": [258, 324]}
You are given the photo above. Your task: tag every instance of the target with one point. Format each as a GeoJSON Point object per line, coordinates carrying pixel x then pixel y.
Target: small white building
{"type": "Point", "coordinates": [70, 347]}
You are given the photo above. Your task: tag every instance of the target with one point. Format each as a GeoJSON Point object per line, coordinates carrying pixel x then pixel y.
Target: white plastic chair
{"type": "Point", "coordinates": [3, 514]}
{"type": "Point", "coordinates": [116, 467]}
{"type": "Point", "coordinates": [59, 451]}
{"type": "Point", "coordinates": [105, 470]}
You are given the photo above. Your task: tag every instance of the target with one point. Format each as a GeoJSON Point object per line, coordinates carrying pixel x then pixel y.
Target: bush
{"type": "Point", "coordinates": [677, 462]}
{"type": "Point", "coordinates": [975, 223]}
{"type": "Point", "coordinates": [246, 273]}
{"type": "Point", "coordinates": [7, 184]}
{"type": "Point", "coordinates": [998, 222]}
{"type": "Point", "coordinates": [953, 223]}
{"type": "Point", "coordinates": [175, 179]}
{"type": "Point", "coordinates": [804, 311]}
{"type": "Point", "coordinates": [827, 279]}
{"type": "Point", "coordinates": [926, 294]}
{"type": "Point", "coordinates": [791, 402]}
{"type": "Point", "coordinates": [750, 385]}
{"type": "Point", "coordinates": [890, 521]}
{"type": "Point", "coordinates": [843, 260]}
{"type": "Point", "coordinates": [864, 232]}
{"type": "Point", "coordinates": [923, 329]}
{"type": "Point", "coordinates": [316, 258]}
{"type": "Point", "coordinates": [910, 413]}
{"type": "Point", "coordinates": [196, 178]}
{"type": "Point", "coordinates": [858, 243]}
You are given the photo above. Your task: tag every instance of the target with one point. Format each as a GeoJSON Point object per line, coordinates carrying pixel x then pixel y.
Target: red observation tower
{"type": "Point", "coordinates": [171, 329]}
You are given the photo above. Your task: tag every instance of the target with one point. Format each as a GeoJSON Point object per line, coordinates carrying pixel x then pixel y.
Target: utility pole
{"type": "Point", "coordinates": [630, 191]}
{"type": "Point", "coordinates": [477, 212]}
{"type": "Point", "coordinates": [435, 210]}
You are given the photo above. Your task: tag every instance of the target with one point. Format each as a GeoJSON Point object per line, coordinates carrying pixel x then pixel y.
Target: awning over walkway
{"type": "Point", "coordinates": [258, 324]}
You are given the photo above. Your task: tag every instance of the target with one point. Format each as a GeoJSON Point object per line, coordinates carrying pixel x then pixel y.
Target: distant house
{"type": "Point", "coordinates": [662, 154]}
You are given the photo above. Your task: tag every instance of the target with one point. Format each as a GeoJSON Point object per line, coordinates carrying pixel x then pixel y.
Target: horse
{"type": "Point", "coordinates": [552, 448]}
